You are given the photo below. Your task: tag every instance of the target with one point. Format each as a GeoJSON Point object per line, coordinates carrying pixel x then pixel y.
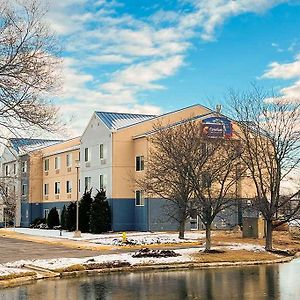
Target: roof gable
{"type": "Point", "coordinates": [24, 145]}
{"type": "Point", "coordinates": [115, 121]}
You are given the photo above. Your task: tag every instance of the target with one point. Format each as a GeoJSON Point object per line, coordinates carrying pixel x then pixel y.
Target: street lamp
{"type": "Point", "coordinates": [77, 233]}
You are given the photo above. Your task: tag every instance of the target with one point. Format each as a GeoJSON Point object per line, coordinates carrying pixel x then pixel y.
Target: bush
{"type": "Point", "coordinates": [100, 219]}
{"type": "Point", "coordinates": [37, 222]}
{"type": "Point", "coordinates": [85, 211]}
{"type": "Point", "coordinates": [71, 216]}
{"type": "Point", "coordinates": [53, 218]}
{"type": "Point", "coordinates": [64, 218]}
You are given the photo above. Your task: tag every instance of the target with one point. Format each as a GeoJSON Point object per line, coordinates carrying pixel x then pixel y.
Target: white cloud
{"type": "Point", "coordinates": [143, 75]}
{"type": "Point", "coordinates": [286, 71]}
{"type": "Point", "coordinates": [116, 56]}
{"type": "Point", "coordinates": [283, 71]}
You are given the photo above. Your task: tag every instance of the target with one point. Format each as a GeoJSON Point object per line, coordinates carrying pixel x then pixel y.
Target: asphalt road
{"type": "Point", "coordinates": [14, 249]}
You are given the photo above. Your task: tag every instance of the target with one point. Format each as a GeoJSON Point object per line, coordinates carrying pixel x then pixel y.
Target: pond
{"type": "Point", "coordinates": [278, 281]}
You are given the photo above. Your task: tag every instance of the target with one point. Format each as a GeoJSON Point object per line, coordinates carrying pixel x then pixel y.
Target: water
{"type": "Point", "coordinates": [280, 281]}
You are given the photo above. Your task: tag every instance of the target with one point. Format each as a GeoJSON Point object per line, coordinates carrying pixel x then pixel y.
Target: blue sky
{"type": "Point", "coordinates": [156, 56]}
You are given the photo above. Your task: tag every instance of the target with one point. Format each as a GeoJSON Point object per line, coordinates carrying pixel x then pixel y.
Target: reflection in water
{"type": "Point", "coordinates": [255, 282]}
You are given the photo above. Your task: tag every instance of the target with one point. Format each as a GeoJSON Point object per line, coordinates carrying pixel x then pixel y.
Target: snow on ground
{"type": "Point", "coordinates": [58, 263]}
{"type": "Point", "coordinates": [6, 270]}
{"type": "Point", "coordinates": [134, 238]}
{"type": "Point", "coordinates": [185, 256]}
{"type": "Point", "coordinates": [242, 246]}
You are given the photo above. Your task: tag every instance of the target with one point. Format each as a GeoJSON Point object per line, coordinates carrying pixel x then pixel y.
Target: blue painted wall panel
{"type": "Point", "coordinates": [122, 214]}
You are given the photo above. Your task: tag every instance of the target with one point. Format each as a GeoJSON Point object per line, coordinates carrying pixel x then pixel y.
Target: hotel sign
{"type": "Point", "coordinates": [217, 127]}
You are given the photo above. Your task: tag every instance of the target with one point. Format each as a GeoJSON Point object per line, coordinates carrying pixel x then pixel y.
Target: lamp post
{"type": "Point", "coordinates": [77, 233]}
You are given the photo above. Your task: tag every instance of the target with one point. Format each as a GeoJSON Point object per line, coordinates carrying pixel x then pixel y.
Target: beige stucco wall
{"type": "Point", "coordinates": [125, 149]}
{"type": "Point", "coordinates": [63, 174]}
{"type": "Point", "coordinates": [35, 177]}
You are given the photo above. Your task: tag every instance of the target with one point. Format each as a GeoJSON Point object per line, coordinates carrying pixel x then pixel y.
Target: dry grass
{"type": "Point", "coordinates": [233, 256]}
{"type": "Point", "coordinates": [17, 275]}
{"type": "Point", "coordinates": [72, 268]}
{"type": "Point", "coordinates": [281, 240]}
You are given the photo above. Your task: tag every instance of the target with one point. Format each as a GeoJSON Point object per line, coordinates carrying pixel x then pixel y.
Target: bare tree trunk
{"type": "Point", "coordinates": [269, 233]}
{"type": "Point", "coordinates": [181, 229]}
{"type": "Point", "coordinates": [207, 237]}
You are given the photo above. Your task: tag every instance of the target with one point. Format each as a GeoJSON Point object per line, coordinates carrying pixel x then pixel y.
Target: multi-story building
{"type": "Point", "coordinates": [16, 160]}
{"type": "Point", "coordinates": [110, 154]}
{"type": "Point", "coordinates": [114, 147]}
{"type": "Point", "coordinates": [53, 179]}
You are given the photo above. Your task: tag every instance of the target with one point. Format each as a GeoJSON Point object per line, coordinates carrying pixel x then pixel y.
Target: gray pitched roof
{"type": "Point", "coordinates": [22, 145]}
{"type": "Point", "coordinates": [116, 121]}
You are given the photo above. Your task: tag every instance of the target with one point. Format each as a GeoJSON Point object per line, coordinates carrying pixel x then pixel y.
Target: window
{"type": "Point", "coordinates": [15, 169]}
{"type": "Point", "coordinates": [139, 163]}
{"type": "Point", "coordinates": [46, 188]}
{"type": "Point", "coordinates": [46, 164]}
{"type": "Point", "coordinates": [57, 188]}
{"type": "Point", "coordinates": [14, 189]}
{"type": "Point", "coordinates": [24, 166]}
{"type": "Point", "coordinates": [57, 163]}
{"type": "Point", "coordinates": [206, 180]}
{"type": "Point", "coordinates": [139, 198]}
{"type": "Point", "coordinates": [6, 190]}
{"type": "Point", "coordinates": [46, 213]}
{"type": "Point", "coordinates": [24, 189]}
{"type": "Point", "coordinates": [68, 186]}
{"type": "Point", "coordinates": [102, 181]}
{"type": "Point", "coordinates": [86, 154]}
{"type": "Point", "coordinates": [87, 182]}
{"type": "Point", "coordinates": [6, 170]}
{"type": "Point", "coordinates": [69, 160]}
{"type": "Point", "coordinates": [101, 151]}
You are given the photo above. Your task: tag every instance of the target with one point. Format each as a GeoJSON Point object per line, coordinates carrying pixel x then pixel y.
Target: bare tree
{"type": "Point", "coordinates": [215, 172]}
{"type": "Point", "coordinates": [166, 170]}
{"type": "Point", "coordinates": [29, 68]}
{"type": "Point", "coordinates": [270, 135]}
{"type": "Point", "coordinates": [192, 172]}
{"type": "Point", "coordinates": [8, 199]}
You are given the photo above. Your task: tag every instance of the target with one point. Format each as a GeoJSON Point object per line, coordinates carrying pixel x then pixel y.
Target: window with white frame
{"type": "Point", "coordinates": [101, 151]}
{"type": "Point", "coordinates": [139, 198]}
{"type": "Point", "coordinates": [102, 181]}
{"type": "Point", "coordinates": [68, 186]}
{"type": "Point", "coordinates": [15, 169]}
{"type": "Point", "coordinates": [24, 189]}
{"type": "Point", "coordinates": [86, 154]}
{"type": "Point", "coordinates": [6, 170]}
{"type": "Point", "coordinates": [57, 162]}
{"type": "Point", "coordinates": [46, 164]}
{"type": "Point", "coordinates": [139, 163]}
{"type": "Point", "coordinates": [57, 187]}
{"type": "Point", "coordinates": [87, 183]}
{"type": "Point", "coordinates": [46, 189]}
{"type": "Point", "coordinates": [24, 166]}
{"type": "Point", "coordinates": [69, 159]}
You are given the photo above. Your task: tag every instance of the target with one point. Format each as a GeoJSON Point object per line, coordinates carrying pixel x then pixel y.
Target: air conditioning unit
{"type": "Point", "coordinates": [69, 196]}
{"type": "Point", "coordinates": [69, 169]}
{"type": "Point", "coordinates": [56, 196]}
{"type": "Point", "coordinates": [46, 173]}
{"type": "Point", "coordinates": [57, 171]}
{"type": "Point", "coordinates": [87, 164]}
{"type": "Point", "coordinates": [103, 161]}
{"type": "Point", "coordinates": [46, 197]}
